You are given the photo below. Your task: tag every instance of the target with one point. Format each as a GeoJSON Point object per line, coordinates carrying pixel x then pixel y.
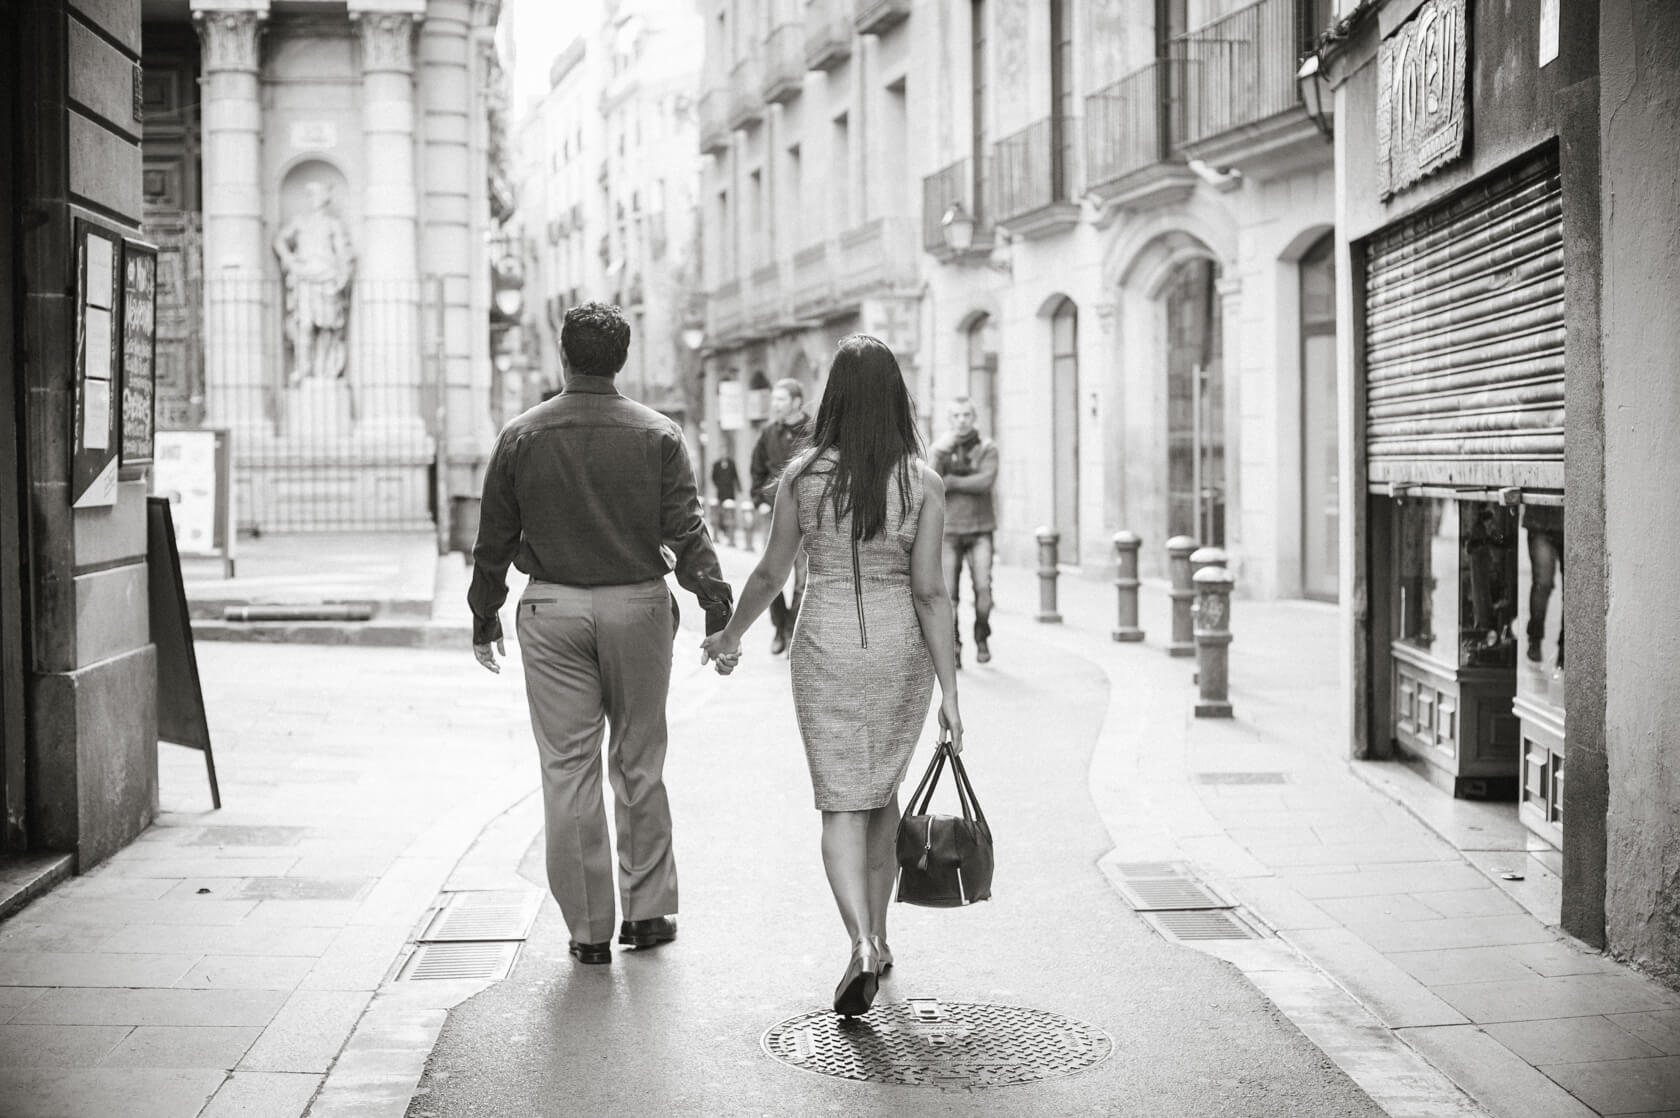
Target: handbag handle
{"type": "Point", "coordinates": [930, 780]}
{"type": "Point", "coordinates": [965, 790]}
{"type": "Point", "coordinates": [923, 795]}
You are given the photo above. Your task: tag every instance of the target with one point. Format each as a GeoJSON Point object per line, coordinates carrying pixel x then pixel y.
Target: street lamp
{"type": "Point", "coordinates": [958, 228]}
{"type": "Point", "coordinates": [1316, 96]}
{"type": "Point", "coordinates": [693, 335]}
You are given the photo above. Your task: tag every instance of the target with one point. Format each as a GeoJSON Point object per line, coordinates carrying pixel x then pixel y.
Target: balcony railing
{"type": "Point", "coordinates": [724, 309]}
{"type": "Point", "coordinates": [876, 16]}
{"type": "Point", "coordinates": [1129, 125]}
{"type": "Point", "coordinates": [784, 63]}
{"type": "Point", "coordinates": [766, 301]}
{"type": "Point", "coordinates": [812, 289]}
{"type": "Point", "coordinates": [828, 33]}
{"type": "Point", "coordinates": [714, 120]}
{"type": "Point", "coordinates": [956, 183]}
{"type": "Point", "coordinates": [1035, 167]}
{"type": "Point", "coordinates": [1240, 69]}
{"type": "Point", "coordinates": [878, 256]}
{"type": "Point", "coordinates": [746, 93]}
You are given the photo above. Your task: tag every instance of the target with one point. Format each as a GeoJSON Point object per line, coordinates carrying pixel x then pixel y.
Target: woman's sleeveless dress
{"type": "Point", "coordinates": [861, 706]}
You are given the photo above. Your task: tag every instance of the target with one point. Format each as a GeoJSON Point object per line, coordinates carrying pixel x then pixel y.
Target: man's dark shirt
{"type": "Point", "coordinates": [773, 451]}
{"type": "Point", "coordinates": [726, 481]}
{"type": "Point", "coordinates": [583, 490]}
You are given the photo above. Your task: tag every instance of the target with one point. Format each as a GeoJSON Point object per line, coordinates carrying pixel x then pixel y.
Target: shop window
{"type": "Point", "coordinates": [1457, 581]}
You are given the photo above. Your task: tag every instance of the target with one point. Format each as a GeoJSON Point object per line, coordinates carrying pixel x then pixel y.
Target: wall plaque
{"type": "Point", "coordinates": [1421, 106]}
{"type": "Point", "coordinates": [314, 135]}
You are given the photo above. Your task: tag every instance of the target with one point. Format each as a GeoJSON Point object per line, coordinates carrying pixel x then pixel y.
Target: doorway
{"type": "Point", "coordinates": [1195, 404]}
{"type": "Point", "coordinates": [1320, 488]}
{"type": "Point", "coordinates": [1064, 377]}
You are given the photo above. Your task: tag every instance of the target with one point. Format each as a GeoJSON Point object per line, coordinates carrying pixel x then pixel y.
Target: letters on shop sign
{"type": "Point", "coordinates": [1420, 95]}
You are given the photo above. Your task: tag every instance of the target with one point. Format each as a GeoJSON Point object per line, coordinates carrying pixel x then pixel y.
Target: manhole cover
{"type": "Point", "coordinates": [927, 1043]}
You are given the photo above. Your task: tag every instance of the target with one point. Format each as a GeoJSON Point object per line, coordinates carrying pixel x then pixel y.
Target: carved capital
{"type": "Point", "coordinates": [231, 39]}
{"type": "Point", "coordinates": [387, 40]}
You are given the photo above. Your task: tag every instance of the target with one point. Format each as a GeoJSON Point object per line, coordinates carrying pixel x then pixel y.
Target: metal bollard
{"type": "Point", "coordinates": [1047, 572]}
{"type": "Point", "coordinates": [1209, 556]}
{"type": "Point", "coordinates": [1182, 593]}
{"type": "Point", "coordinates": [1213, 641]}
{"type": "Point", "coordinates": [1126, 546]}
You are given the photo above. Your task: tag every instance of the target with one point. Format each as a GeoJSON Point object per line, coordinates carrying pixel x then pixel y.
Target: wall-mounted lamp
{"type": "Point", "coordinates": [1316, 96]}
{"type": "Point", "coordinates": [693, 335]}
{"type": "Point", "coordinates": [958, 228]}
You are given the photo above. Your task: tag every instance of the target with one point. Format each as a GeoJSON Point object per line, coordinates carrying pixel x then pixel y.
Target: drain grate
{"type": "Point", "coordinates": [924, 1042]}
{"type": "Point", "coordinates": [1167, 893]}
{"type": "Point", "coordinates": [1149, 869]}
{"type": "Point", "coordinates": [483, 915]}
{"type": "Point", "coordinates": [1241, 778]}
{"type": "Point", "coordinates": [441, 962]}
{"type": "Point", "coordinates": [1202, 924]}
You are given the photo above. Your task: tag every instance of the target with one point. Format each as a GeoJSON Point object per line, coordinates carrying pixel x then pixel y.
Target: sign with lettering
{"type": "Point", "coordinates": [1421, 109]}
{"type": "Point", "coordinates": [314, 135]}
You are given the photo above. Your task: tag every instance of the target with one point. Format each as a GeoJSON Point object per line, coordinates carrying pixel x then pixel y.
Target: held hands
{"type": "Point", "coordinates": [722, 650]}
{"type": "Point", "coordinates": [951, 719]}
{"type": "Point", "coordinates": [486, 654]}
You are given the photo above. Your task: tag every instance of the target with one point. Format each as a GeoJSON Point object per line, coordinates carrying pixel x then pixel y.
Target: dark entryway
{"type": "Point", "coordinates": [1195, 404]}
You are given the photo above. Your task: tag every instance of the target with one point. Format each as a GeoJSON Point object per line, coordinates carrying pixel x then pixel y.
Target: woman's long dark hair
{"type": "Point", "coordinates": [866, 418]}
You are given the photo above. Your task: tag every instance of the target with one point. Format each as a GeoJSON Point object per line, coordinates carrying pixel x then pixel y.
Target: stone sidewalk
{"type": "Point", "coordinates": [1395, 891]}
{"type": "Point", "coordinates": [240, 963]}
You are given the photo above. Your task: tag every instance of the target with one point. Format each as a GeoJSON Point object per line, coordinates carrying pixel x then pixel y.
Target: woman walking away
{"type": "Point", "coordinates": [874, 631]}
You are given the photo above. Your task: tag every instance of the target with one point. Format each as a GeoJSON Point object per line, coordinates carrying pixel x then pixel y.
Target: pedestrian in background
{"type": "Point", "coordinates": [876, 631]}
{"type": "Point", "coordinates": [967, 461]}
{"type": "Point", "coordinates": [787, 431]}
{"type": "Point", "coordinates": [726, 484]}
{"type": "Point", "coordinates": [581, 493]}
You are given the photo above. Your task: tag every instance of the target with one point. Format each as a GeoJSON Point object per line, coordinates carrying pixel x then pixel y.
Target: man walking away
{"type": "Point", "coordinates": [726, 486]}
{"type": "Point", "coordinates": [787, 431]}
{"type": "Point", "coordinates": [968, 461]}
{"type": "Point", "coordinates": [581, 493]}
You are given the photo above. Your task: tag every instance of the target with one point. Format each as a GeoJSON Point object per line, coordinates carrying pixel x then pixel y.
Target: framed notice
{"type": "Point", "coordinates": [139, 353]}
{"type": "Point", "coordinates": [192, 472]}
{"type": "Point", "coordinates": [96, 419]}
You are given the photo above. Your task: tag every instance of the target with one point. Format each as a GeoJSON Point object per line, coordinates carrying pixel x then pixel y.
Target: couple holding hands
{"type": "Point", "coordinates": [582, 492]}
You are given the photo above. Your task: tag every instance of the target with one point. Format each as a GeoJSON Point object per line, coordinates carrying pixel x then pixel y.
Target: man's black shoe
{"type": "Point", "coordinates": [592, 952]}
{"type": "Point", "coordinates": [983, 652]}
{"type": "Point", "coordinates": [648, 933]}
{"type": "Point", "coordinates": [778, 644]}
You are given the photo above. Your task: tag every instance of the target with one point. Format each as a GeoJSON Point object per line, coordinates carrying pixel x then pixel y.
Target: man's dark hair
{"type": "Point", "coordinates": [595, 339]}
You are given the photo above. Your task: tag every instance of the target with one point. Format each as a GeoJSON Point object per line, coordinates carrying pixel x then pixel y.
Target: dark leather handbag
{"type": "Point", "coordinates": [944, 861]}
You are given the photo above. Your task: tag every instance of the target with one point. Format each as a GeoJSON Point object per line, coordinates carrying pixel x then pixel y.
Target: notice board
{"type": "Point", "coordinates": [96, 419]}
{"type": "Point", "coordinates": [180, 697]}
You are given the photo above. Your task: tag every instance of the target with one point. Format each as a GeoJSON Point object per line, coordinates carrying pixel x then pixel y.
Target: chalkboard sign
{"type": "Point", "coordinates": [139, 353]}
{"type": "Point", "coordinates": [97, 418]}
{"type": "Point", "coordinates": [180, 698]}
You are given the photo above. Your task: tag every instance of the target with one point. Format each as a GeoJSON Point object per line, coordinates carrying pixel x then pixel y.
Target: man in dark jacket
{"type": "Point", "coordinates": [588, 493]}
{"type": "Point", "coordinates": [788, 430]}
{"type": "Point", "coordinates": [968, 461]}
{"type": "Point", "coordinates": [726, 487]}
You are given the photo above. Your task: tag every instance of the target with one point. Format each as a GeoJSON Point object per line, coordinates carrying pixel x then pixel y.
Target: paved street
{"type": "Point", "coordinates": [250, 962]}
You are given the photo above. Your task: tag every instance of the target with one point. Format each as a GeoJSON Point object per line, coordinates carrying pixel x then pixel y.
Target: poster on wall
{"type": "Point", "coordinates": [185, 475]}
{"type": "Point", "coordinates": [96, 419]}
{"type": "Point", "coordinates": [139, 353]}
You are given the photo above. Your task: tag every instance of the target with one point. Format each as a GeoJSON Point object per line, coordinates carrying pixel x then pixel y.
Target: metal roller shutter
{"type": "Point", "coordinates": [1464, 338]}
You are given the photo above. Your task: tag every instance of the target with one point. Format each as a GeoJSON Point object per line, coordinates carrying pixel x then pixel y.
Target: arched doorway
{"type": "Point", "coordinates": [1064, 381]}
{"type": "Point", "coordinates": [1195, 403]}
{"type": "Point", "coordinates": [980, 342]}
{"type": "Point", "coordinates": [1320, 488]}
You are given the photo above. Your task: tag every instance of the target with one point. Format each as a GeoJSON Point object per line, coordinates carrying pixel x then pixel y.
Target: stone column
{"type": "Point", "coordinates": [386, 361]}
{"type": "Point", "coordinates": [235, 252]}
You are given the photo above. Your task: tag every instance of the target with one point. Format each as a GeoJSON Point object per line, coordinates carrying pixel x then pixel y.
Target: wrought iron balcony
{"type": "Point", "coordinates": [828, 33]}
{"type": "Point", "coordinates": [878, 256]}
{"type": "Point", "coordinates": [813, 290]}
{"type": "Point", "coordinates": [876, 16]}
{"type": "Point", "coordinates": [784, 63]}
{"type": "Point", "coordinates": [746, 93]}
{"type": "Point", "coordinates": [714, 121]}
{"type": "Point", "coordinates": [1241, 101]}
{"type": "Point", "coordinates": [766, 303]}
{"type": "Point", "coordinates": [1035, 172]}
{"type": "Point", "coordinates": [958, 183]}
{"type": "Point", "coordinates": [723, 310]}
{"type": "Point", "coordinates": [1131, 131]}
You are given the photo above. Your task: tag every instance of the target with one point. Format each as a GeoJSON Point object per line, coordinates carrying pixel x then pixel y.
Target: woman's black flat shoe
{"type": "Point", "coordinates": [856, 992]}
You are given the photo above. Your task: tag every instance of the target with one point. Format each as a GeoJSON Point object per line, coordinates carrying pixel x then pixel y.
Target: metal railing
{"type": "Point", "coordinates": [784, 63]}
{"type": "Point", "coordinates": [724, 309]}
{"type": "Point", "coordinates": [812, 289]}
{"type": "Point", "coordinates": [956, 183]}
{"type": "Point", "coordinates": [1130, 125]}
{"type": "Point", "coordinates": [766, 301]}
{"type": "Point", "coordinates": [746, 92]}
{"type": "Point", "coordinates": [331, 402]}
{"type": "Point", "coordinates": [1240, 69]}
{"type": "Point", "coordinates": [878, 255]}
{"type": "Point", "coordinates": [828, 32]}
{"type": "Point", "coordinates": [1035, 166]}
{"type": "Point", "coordinates": [714, 120]}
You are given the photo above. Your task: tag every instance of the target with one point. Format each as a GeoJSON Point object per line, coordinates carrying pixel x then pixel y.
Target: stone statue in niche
{"type": "Point", "coordinates": [318, 263]}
